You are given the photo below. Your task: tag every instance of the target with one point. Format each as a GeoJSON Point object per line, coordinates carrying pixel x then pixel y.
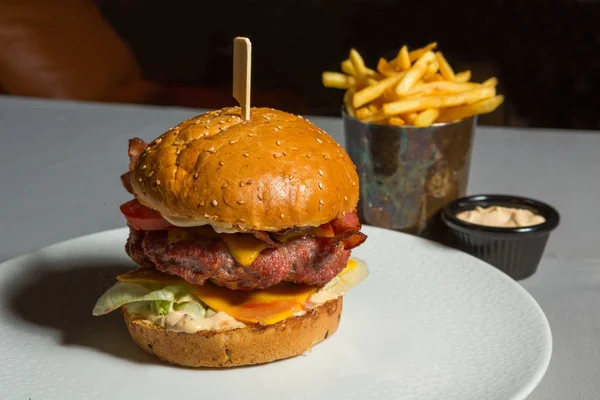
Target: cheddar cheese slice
{"type": "Point", "coordinates": [267, 306]}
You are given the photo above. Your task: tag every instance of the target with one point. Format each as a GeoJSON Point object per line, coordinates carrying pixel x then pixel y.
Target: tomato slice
{"type": "Point", "coordinates": [143, 218]}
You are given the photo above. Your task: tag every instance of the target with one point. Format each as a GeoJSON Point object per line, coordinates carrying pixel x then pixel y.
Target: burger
{"type": "Point", "coordinates": [242, 233]}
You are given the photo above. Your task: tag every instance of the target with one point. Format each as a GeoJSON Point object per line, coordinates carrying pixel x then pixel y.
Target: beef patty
{"type": "Point", "coordinates": [307, 260]}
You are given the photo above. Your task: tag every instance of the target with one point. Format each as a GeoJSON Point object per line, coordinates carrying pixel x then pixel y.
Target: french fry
{"type": "Point", "coordinates": [358, 64]}
{"type": "Point", "coordinates": [445, 69]}
{"type": "Point", "coordinates": [416, 88]}
{"type": "Point", "coordinates": [464, 76]}
{"type": "Point", "coordinates": [396, 121]}
{"type": "Point", "coordinates": [436, 78]}
{"type": "Point", "coordinates": [416, 54]}
{"type": "Point", "coordinates": [363, 113]}
{"type": "Point", "coordinates": [377, 117]}
{"type": "Point", "coordinates": [427, 117]}
{"type": "Point", "coordinates": [348, 102]}
{"type": "Point", "coordinates": [337, 80]}
{"type": "Point", "coordinates": [348, 68]}
{"type": "Point", "coordinates": [403, 59]}
{"type": "Point", "coordinates": [462, 112]}
{"type": "Point", "coordinates": [431, 87]}
{"type": "Point", "coordinates": [432, 69]}
{"type": "Point", "coordinates": [373, 108]}
{"type": "Point", "coordinates": [492, 82]}
{"type": "Point", "coordinates": [383, 65]}
{"type": "Point", "coordinates": [370, 93]}
{"type": "Point", "coordinates": [415, 73]}
{"type": "Point", "coordinates": [410, 118]}
{"type": "Point", "coordinates": [425, 102]}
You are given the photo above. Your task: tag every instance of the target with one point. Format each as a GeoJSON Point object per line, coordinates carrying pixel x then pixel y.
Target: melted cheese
{"type": "Point", "coordinates": [320, 231]}
{"type": "Point", "coordinates": [244, 247]}
{"type": "Point", "coordinates": [267, 306]}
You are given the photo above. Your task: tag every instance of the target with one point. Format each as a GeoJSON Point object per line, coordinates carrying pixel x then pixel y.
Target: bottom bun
{"type": "Point", "coordinates": [236, 347]}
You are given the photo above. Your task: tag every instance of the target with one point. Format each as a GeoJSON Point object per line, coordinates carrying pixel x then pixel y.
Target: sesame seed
{"type": "Point", "coordinates": [196, 175]}
{"type": "Point", "coordinates": [214, 202]}
{"type": "Point", "coordinates": [157, 182]}
{"type": "Point", "coordinates": [202, 203]}
{"type": "Point", "coordinates": [290, 177]}
{"type": "Point", "coordinates": [242, 220]}
{"type": "Point", "coordinates": [176, 143]}
{"type": "Point", "coordinates": [221, 163]}
{"type": "Point", "coordinates": [282, 215]}
{"type": "Point", "coordinates": [321, 202]}
{"type": "Point", "coordinates": [223, 186]}
{"type": "Point", "coordinates": [212, 150]}
{"type": "Point", "coordinates": [233, 141]}
{"type": "Point", "coordinates": [260, 197]}
{"type": "Point", "coordinates": [144, 166]}
{"type": "Point", "coordinates": [308, 156]}
{"type": "Point", "coordinates": [249, 182]}
{"type": "Point", "coordinates": [251, 134]}
{"type": "Point", "coordinates": [325, 156]}
{"type": "Point", "coordinates": [346, 198]}
{"type": "Point", "coordinates": [279, 127]}
{"type": "Point", "coordinates": [276, 155]}
{"type": "Point", "coordinates": [319, 140]}
{"type": "Point", "coordinates": [206, 215]}
{"type": "Point", "coordinates": [241, 184]}
{"type": "Point", "coordinates": [221, 122]}
{"type": "Point", "coordinates": [139, 179]}
{"type": "Point", "coordinates": [353, 183]}
{"type": "Point", "coordinates": [221, 128]}
{"type": "Point", "coordinates": [158, 140]}
{"type": "Point", "coordinates": [278, 143]}
{"type": "Point", "coordinates": [178, 151]}
{"type": "Point", "coordinates": [240, 201]}
{"type": "Point", "coordinates": [284, 153]}
{"type": "Point", "coordinates": [150, 174]}
{"type": "Point", "coordinates": [320, 186]}
{"type": "Point", "coordinates": [321, 172]}
{"type": "Point", "coordinates": [246, 154]}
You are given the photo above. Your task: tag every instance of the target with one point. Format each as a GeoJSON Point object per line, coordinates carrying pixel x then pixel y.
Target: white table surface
{"type": "Point", "coordinates": [60, 164]}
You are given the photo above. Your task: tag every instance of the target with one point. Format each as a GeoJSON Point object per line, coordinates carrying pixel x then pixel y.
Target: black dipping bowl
{"type": "Point", "coordinates": [515, 251]}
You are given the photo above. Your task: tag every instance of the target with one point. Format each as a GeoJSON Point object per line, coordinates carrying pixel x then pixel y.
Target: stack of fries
{"type": "Point", "coordinates": [417, 88]}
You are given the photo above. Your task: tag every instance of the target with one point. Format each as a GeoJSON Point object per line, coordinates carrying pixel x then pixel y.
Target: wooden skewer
{"type": "Point", "coordinates": [242, 68]}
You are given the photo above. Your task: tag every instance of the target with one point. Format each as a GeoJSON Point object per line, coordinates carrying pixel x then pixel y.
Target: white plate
{"type": "Point", "coordinates": [429, 323]}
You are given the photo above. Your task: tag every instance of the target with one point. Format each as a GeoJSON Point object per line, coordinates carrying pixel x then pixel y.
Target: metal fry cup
{"type": "Point", "coordinates": [407, 174]}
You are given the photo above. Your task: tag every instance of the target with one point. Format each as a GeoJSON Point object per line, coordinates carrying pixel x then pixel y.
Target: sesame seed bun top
{"type": "Point", "coordinates": [273, 172]}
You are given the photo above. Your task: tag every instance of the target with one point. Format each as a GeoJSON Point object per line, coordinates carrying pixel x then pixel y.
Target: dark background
{"type": "Point", "coordinates": [545, 53]}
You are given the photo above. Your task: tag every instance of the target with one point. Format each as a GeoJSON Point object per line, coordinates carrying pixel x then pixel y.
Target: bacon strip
{"type": "Point", "coordinates": [126, 181]}
{"type": "Point", "coordinates": [136, 147]}
{"type": "Point", "coordinates": [346, 230]}
{"type": "Point", "coordinates": [265, 237]}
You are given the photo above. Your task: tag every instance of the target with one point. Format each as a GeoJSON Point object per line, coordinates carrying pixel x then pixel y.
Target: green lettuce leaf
{"type": "Point", "coordinates": [160, 300]}
{"type": "Point", "coordinates": [341, 284]}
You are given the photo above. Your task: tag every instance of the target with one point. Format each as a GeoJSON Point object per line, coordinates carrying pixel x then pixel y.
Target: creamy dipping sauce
{"type": "Point", "coordinates": [178, 321]}
{"type": "Point", "coordinates": [501, 217]}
